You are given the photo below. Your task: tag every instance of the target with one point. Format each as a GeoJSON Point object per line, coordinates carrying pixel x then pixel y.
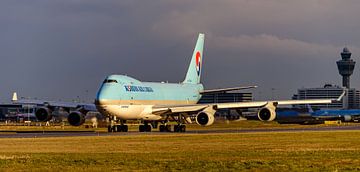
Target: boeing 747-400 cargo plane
{"type": "Point", "coordinates": [124, 98]}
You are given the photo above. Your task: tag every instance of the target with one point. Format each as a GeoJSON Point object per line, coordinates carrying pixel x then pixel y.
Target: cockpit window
{"type": "Point", "coordinates": [110, 81]}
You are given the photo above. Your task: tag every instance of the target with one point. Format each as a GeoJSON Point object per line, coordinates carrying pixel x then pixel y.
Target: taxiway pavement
{"type": "Point", "coordinates": [35, 134]}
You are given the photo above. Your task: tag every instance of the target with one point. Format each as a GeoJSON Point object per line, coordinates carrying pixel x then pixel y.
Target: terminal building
{"type": "Point", "coordinates": [350, 101]}
{"type": "Point", "coordinates": [226, 98]}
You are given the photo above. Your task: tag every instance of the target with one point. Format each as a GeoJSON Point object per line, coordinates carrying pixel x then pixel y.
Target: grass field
{"type": "Point", "coordinates": [218, 125]}
{"type": "Point", "coordinates": [283, 151]}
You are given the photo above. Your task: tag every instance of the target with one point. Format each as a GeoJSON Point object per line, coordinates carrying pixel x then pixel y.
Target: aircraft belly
{"type": "Point", "coordinates": [126, 112]}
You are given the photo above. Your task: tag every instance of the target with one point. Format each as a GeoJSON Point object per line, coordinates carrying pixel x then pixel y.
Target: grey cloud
{"type": "Point", "coordinates": [59, 49]}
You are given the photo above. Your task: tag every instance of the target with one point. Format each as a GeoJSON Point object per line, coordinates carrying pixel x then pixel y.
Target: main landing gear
{"type": "Point", "coordinates": [177, 128]}
{"type": "Point", "coordinates": [113, 127]}
{"type": "Point", "coordinates": [165, 128]}
{"type": "Point", "coordinates": [120, 126]}
{"type": "Point", "coordinates": [145, 128]}
{"type": "Point", "coordinates": [180, 128]}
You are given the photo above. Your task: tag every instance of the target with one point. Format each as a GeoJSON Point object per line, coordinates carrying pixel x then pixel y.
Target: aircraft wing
{"type": "Point", "coordinates": [161, 110]}
{"type": "Point", "coordinates": [256, 104]}
{"type": "Point", "coordinates": [225, 89]}
{"type": "Point", "coordinates": [85, 106]}
{"type": "Point", "coordinates": [76, 111]}
{"type": "Point", "coordinates": [44, 103]}
{"type": "Point", "coordinates": [266, 113]}
{"type": "Point", "coordinates": [308, 101]}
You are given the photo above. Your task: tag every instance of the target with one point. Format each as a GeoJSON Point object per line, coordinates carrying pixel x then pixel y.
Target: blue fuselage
{"type": "Point", "coordinates": [303, 115]}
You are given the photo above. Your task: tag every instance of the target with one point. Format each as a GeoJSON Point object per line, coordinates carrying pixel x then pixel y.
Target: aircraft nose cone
{"type": "Point", "coordinates": [101, 96]}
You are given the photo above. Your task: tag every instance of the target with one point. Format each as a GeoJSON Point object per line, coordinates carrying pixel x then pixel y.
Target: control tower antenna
{"type": "Point", "coordinates": [346, 66]}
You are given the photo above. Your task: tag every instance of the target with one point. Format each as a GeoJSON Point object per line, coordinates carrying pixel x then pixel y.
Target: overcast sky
{"type": "Point", "coordinates": [63, 49]}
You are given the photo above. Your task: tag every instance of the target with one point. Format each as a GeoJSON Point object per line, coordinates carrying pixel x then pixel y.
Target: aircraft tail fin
{"type": "Point", "coordinates": [14, 97]}
{"type": "Point", "coordinates": [310, 110]}
{"type": "Point", "coordinates": [194, 71]}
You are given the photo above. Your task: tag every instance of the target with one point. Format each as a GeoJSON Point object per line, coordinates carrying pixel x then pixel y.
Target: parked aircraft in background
{"type": "Point", "coordinates": [308, 116]}
{"type": "Point", "coordinates": [75, 112]}
{"type": "Point", "coordinates": [124, 98]}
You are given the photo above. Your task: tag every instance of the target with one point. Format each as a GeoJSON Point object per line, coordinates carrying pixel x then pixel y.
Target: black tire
{"type": "Point", "coordinates": [168, 128]}
{"type": "Point", "coordinates": [109, 128]}
{"type": "Point", "coordinates": [176, 128]}
{"type": "Point", "coordinates": [148, 128]}
{"type": "Point", "coordinates": [141, 128]}
{"type": "Point", "coordinates": [162, 128]}
{"type": "Point", "coordinates": [182, 128]}
{"type": "Point", "coordinates": [113, 128]}
{"type": "Point", "coordinates": [125, 128]}
{"type": "Point", "coordinates": [119, 128]}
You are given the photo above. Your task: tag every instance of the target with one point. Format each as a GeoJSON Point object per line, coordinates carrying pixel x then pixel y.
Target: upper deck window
{"type": "Point", "coordinates": [110, 81]}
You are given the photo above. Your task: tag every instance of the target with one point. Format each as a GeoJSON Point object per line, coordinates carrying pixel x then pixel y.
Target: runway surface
{"type": "Point", "coordinates": [35, 134]}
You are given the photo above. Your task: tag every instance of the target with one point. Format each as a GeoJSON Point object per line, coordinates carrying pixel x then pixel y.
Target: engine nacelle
{"type": "Point", "coordinates": [267, 113]}
{"type": "Point", "coordinates": [76, 118]}
{"type": "Point", "coordinates": [347, 118]}
{"type": "Point", "coordinates": [205, 118]}
{"type": "Point", "coordinates": [43, 114]}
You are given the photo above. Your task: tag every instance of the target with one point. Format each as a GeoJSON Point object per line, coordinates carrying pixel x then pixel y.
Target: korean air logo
{"type": "Point", "coordinates": [132, 88]}
{"type": "Point", "coordinates": [198, 63]}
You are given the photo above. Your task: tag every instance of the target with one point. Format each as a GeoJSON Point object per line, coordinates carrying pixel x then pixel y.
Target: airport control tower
{"type": "Point", "coordinates": [346, 67]}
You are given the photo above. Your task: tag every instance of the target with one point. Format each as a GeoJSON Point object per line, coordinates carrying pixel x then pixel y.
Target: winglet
{"type": "Point", "coordinates": [14, 97]}
{"type": "Point", "coordinates": [341, 96]}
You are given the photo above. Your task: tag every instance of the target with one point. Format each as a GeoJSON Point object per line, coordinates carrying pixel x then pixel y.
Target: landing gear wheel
{"type": "Point", "coordinates": [165, 128]}
{"type": "Point", "coordinates": [109, 128]}
{"type": "Point", "coordinates": [168, 128]}
{"type": "Point", "coordinates": [162, 128]}
{"type": "Point", "coordinates": [113, 128]}
{"type": "Point", "coordinates": [119, 128]}
{"type": "Point", "coordinates": [141, 128]}
{"type": "Point", "coordinates": [122, 128]}
{"type": "Point", "coordinates": [144, 128]}
{"type": "Point", "coordinates": [125, 128]}
{"type": "Point", "coordinates": [147, 128]}
{"type": "Point", "coordinates": [182, 128]}
{"type": "Point", "coordinates": [176, 128]}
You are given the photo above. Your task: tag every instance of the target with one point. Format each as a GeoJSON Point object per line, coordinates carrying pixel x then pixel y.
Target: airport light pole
{"type": "Point", "coordinates": [28, 112]}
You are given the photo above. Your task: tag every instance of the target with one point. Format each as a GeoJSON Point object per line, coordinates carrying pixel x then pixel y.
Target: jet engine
{"type": "Point", "coordinates": [76, 118]}
{"type": "Point", "coordinates": [347, 118]}
{"type": "Point", "coordinates": [43, 114]}
{"type": "Point", "coordinates": [205, 118]}
{"type": "Point", "coordinates": [267, 113]}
